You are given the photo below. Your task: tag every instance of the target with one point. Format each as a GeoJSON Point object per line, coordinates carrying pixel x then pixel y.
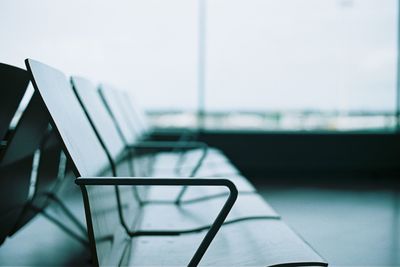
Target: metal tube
{"type": "Point", "coordinates": [205, 243]}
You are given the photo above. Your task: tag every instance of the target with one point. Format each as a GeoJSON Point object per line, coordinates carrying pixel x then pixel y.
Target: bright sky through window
{"type": "Point", "coordinates": [260, 54]}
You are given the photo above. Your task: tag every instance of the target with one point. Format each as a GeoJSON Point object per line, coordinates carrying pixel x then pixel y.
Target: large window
{"type": "Point", "coordinates": [268, 64]}
{"type": "Point", "coordinates": [303, 64]}
{"type": "Point", "coordinates": [147, 46]}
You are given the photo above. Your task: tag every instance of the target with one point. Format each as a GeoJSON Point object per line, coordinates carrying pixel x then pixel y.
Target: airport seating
{"type": "Point", "coordinates": [237, 228]}
{"type": "Point", "coordinates": [16, 161]}
{"type": "Point", "coordinates": [28, 168]}
{"type": "Point", "coordinates": [127, 121]}
{"type": "Point", "coordinates": [101, 122]}
{"type": "Point", "coordinates": [32, 163]}
{"type": "Point", "coordinates": [115, 146]}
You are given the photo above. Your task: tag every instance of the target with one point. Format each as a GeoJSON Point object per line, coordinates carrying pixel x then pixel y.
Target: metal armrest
{"type": "Point", "coordinates": [158, 146]}
{"type": "Point", "coordinates": [182, 146]}
{"type": "Point", "coordinates": [179, 133]}
{"type": "Point", "coordinates": [138, 181]}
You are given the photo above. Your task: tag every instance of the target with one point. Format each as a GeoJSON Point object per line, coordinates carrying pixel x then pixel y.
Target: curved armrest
{"type": "Point", "coordinates": [157, 146]}
{"type": "Point", "coordinates": [180, 134]}
{"type": "Point", "coordinates": [137, 181]}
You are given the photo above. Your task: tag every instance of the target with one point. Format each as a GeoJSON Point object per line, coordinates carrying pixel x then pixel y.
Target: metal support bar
{"type": "Point", "coordinates": [61, 225]}
{"type": "Point", "coordinates": [186, 136]}
{"type": "Point", "coordinates": [181, 146]}
{"type": "Point", "coordinates": [156, 146]}
{"type": "Point", "coordinates": [173, 182]}
{"type": "Point", "coordinates": [67, 212]}
{"type": "Point", "coordinates": [132, 173]}
{"type": "Point", "coordinates": [201, 228]}
{"type": "Point", "coordinates": [183, 134]}
{"type": "Point", "coordinates": [195, 200]}
{"type": "Point", "coordinates": [192, 174]}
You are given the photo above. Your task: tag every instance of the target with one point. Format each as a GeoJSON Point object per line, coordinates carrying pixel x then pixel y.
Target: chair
{"type": "Point", "coordinates": [14, 83]}
{"type": "Point", "coordinates": [115, 148]}
{"type": "Point", "coordinates": [119, 231]}
{"type": "Point", "coordinates": [30, 171]}
{"type": "Point", "coordinates": [17, 184]}
{"type": "Point", "coordinates": [128, 125]}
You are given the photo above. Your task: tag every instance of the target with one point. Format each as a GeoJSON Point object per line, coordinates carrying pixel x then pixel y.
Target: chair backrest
{"type": "Point", "coordinates": [17, 181]}
{"type": "Point", "coordinates": [99, 117]}
{"type": "Point", "coordinates": [50, 170]}
{"type": "Point", "coordinates": [68, 119]}
{"type": "Point", "coordinates": [14, 82]}
{"type": "Point", "coordinates": [111, 101]}
{"type": "Point", "coordinates": [130, 113]}
{"type": "Point", "coordinates": [87, 156]}
{"type": "Point", "coordinates": [137, 109]}
{"type": "Point", "coordinates": [104, 126]}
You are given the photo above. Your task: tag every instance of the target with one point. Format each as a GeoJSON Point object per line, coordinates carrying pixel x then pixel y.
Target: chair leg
{"type": "Point", "coordinates": [61, 225]}
{"type": "Point", "coordinates": [67, 212]}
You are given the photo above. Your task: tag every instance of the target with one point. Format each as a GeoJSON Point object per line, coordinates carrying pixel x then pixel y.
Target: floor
{"type": "Point", "coordinates": [348, 227]}
{"type": "Point", "coordinates": [42, 243]}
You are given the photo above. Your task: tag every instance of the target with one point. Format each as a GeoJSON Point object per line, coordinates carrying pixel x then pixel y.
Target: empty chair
{"type": "Point", "coordinates": [215, 160]}
{"type": "Point", "coordinates": [131, 131]}
{"type": "Point", "coordinates": [133, 110]}
{"type": "Point", "coordinates": [31, 170]}
{"type": "Point", "coordinates": [114, 145]}
{"type": "Point", "coordinates": [102, 124]}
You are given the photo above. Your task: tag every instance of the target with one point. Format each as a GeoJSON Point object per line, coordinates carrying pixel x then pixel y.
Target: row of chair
{"type": "Point", "coordinates": [32, 163]}
{"type": "Point", "coordinates": [146, 202]}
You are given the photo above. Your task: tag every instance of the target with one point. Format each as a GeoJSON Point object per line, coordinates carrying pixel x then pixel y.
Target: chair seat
{"type": "Point", "coordinates": [257, 242]}
{"type": "Point", "coordinates": [201, 213]}
{"type": "Point", "coordinates": [111, 209]}
{"type": "Point", "coordinates": [250, 243]}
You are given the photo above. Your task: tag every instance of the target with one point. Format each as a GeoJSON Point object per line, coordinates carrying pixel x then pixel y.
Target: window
{"type": "Point", "coordinates": [148, 46]}
{"type": "Point", "coordinates": [268, 64]}
{"type": "Point", "coordinates": [305, 64]}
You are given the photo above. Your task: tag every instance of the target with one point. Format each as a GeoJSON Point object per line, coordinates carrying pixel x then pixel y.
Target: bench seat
{"type": "Point", "coordinates": [256, 242]}
{"type": "Point", "coordinates": [125, 231]}
{"type": "Point", "coordinates": [250, 243]}
{"type": "Point", "coordinates": [203, 213]}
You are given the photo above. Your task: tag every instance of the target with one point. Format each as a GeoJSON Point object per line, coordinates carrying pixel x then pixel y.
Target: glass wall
{"type": "Point", "coordinates": [147, 46]}
{"type": "Point", "coordinates": [302, 64]}
{"type": "Point", "coordinates": [268, 64]}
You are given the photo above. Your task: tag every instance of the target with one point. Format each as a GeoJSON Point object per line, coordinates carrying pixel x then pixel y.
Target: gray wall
{"type": "Point", "coordinates": [267, 155]}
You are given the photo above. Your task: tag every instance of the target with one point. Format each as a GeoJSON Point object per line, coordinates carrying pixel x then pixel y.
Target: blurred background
{"type": "Point", "coordinates": [301, 95]}
{"type": "Point", "coordinates": [260, 64]}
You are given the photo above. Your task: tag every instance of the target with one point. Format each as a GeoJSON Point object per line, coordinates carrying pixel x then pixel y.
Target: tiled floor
{"type": "Point", "coordinates": [349, 227]}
